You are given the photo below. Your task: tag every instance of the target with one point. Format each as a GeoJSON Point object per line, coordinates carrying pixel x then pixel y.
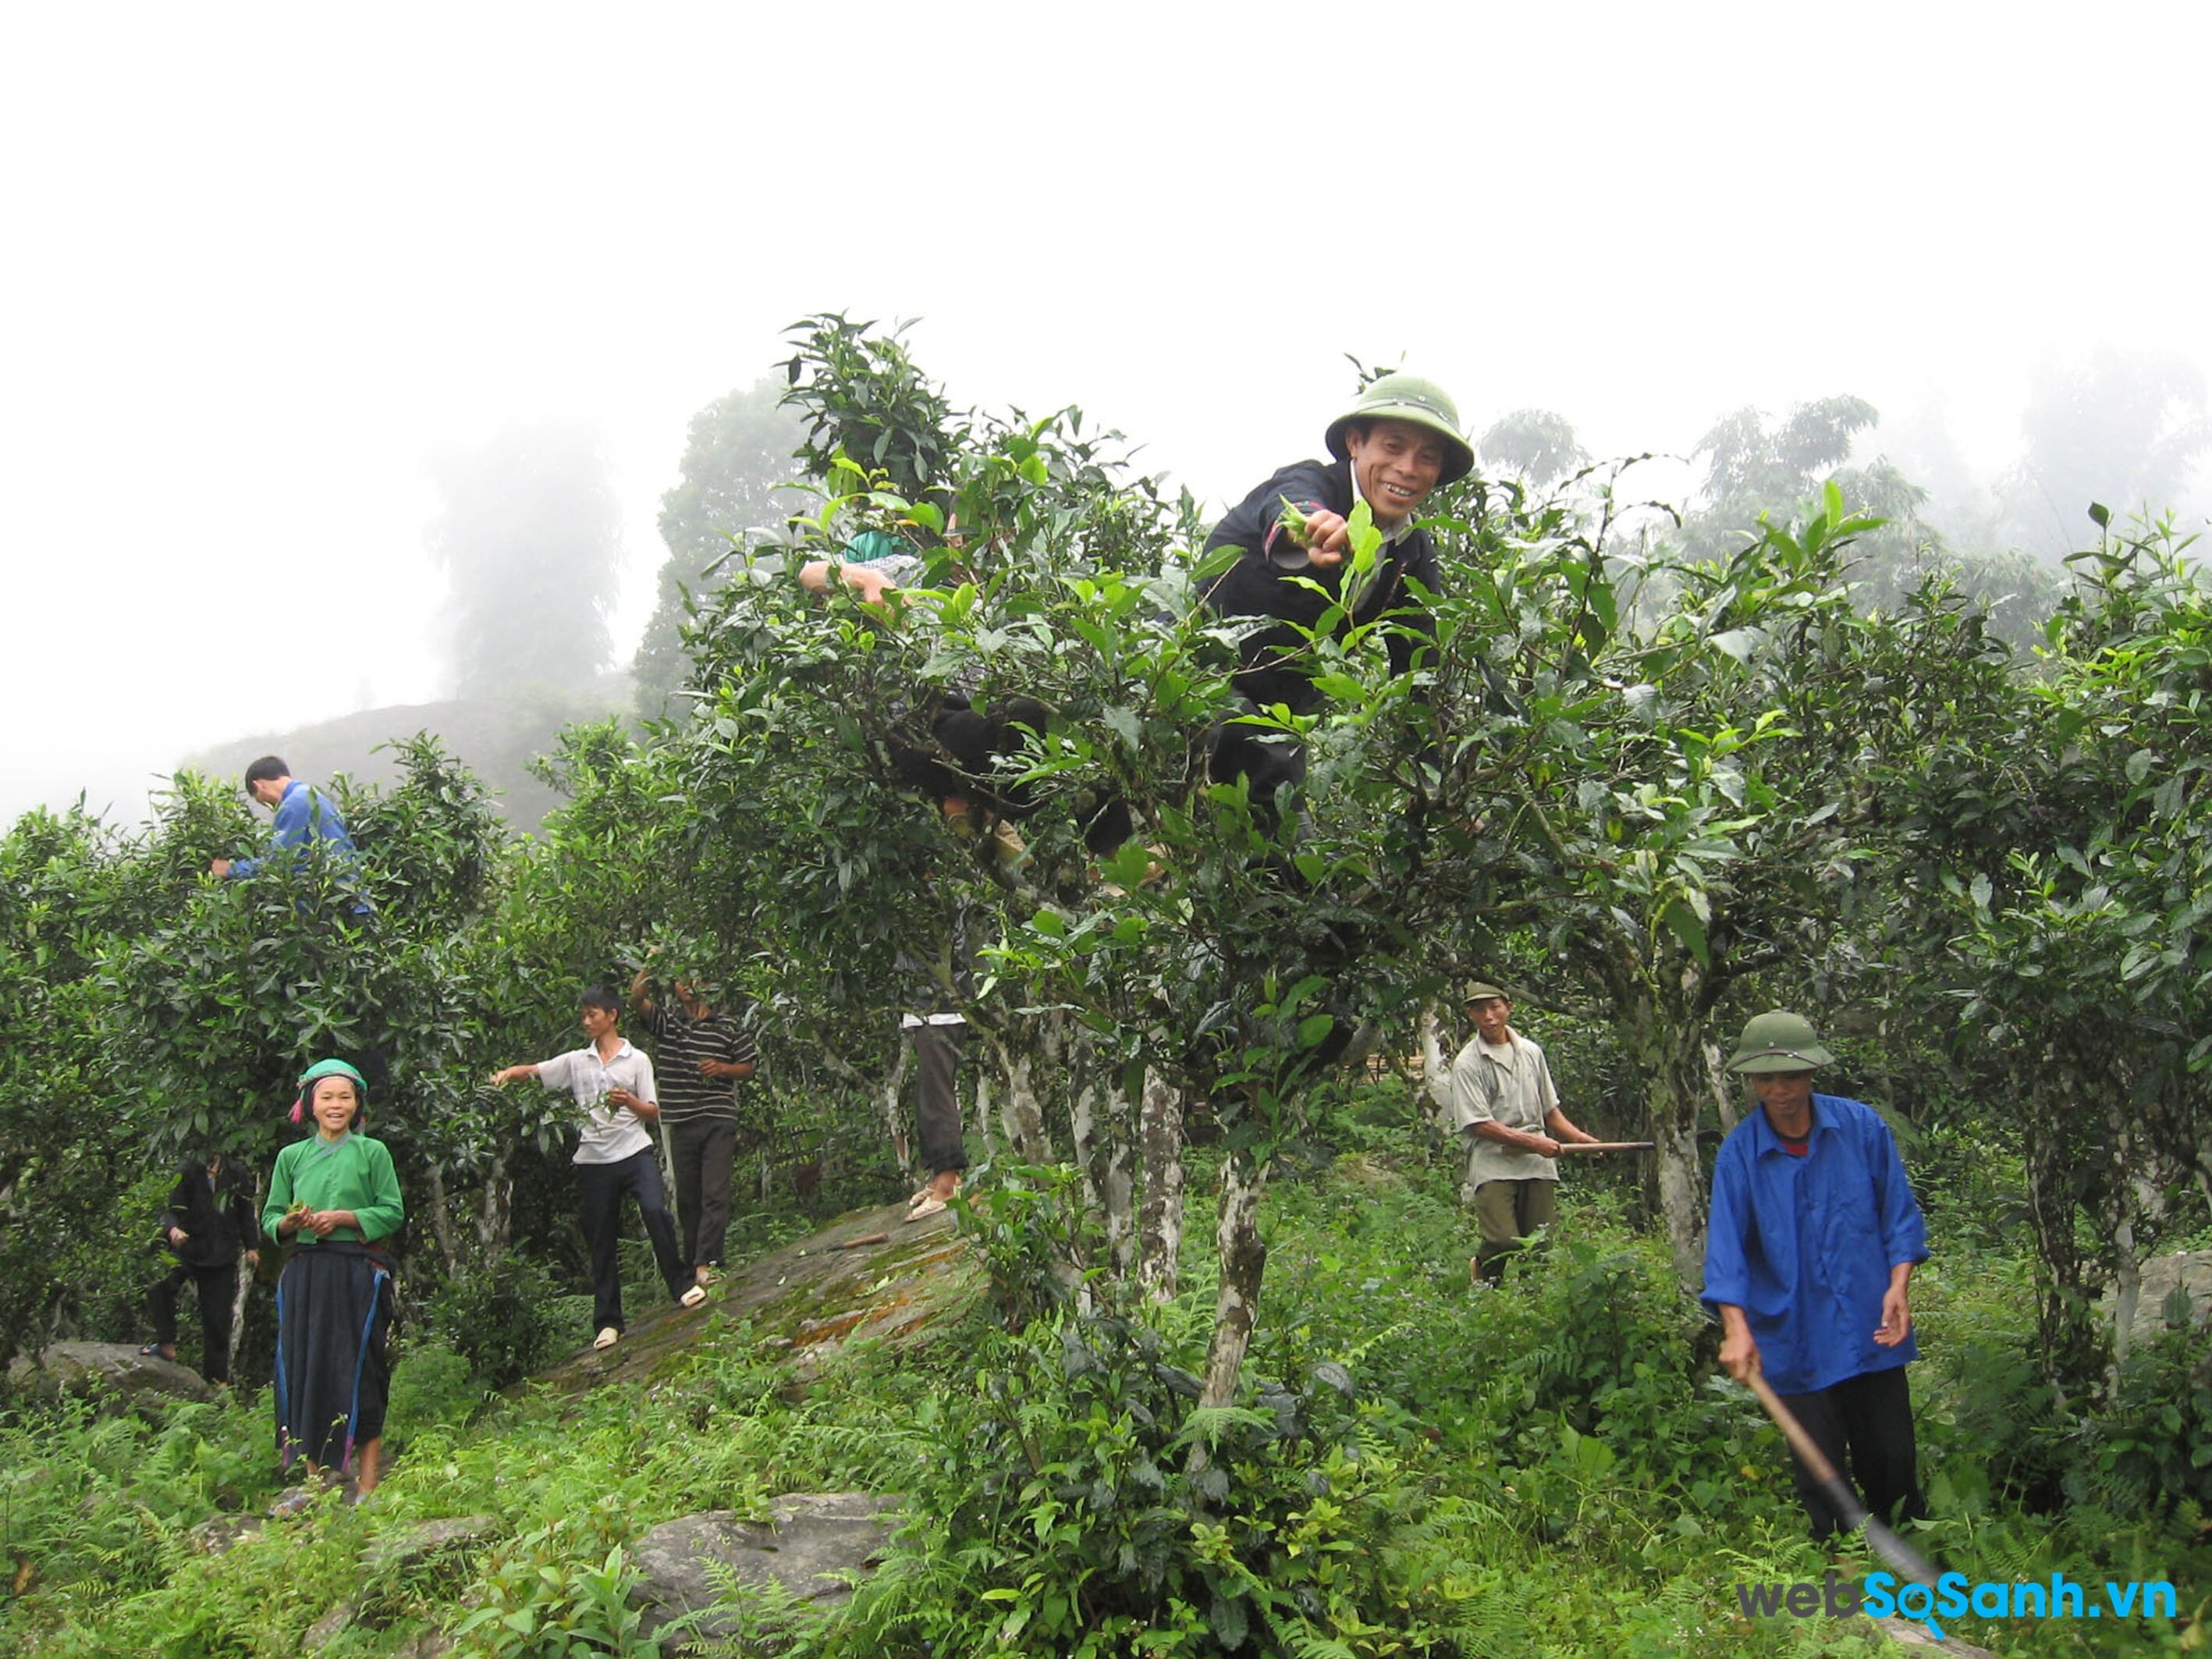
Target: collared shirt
{"type": "Point", "coordinates": [1505, 1083]}
{"type": "Point", "coordinates": [681, 1043]}
{"type": "Point", "coordinates": [1805, 1245]}
{"type": "Point", "coordinates": [611, 1133]}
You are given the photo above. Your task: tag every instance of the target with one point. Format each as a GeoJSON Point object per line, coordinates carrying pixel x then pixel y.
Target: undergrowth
{"type": "Point", "coordinates": [1415, 1466]}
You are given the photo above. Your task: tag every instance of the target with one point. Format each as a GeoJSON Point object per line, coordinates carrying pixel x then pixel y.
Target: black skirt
{"type": "Point", "coordinates": [333, 1312]}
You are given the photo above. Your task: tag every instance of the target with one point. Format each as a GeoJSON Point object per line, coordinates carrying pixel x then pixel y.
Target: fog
{"type": "Point", "coordinates": [269, 265]}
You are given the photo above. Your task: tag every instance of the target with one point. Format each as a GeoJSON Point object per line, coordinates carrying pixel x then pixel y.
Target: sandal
{"type": "Point", "coordinates": [153, 1351]}
{"type": "Point", "coordinates": [607, 1338]}
{"type": "Point", "coordinates": [928, 1204]}
{"type": "Point", "coordinates": [692, 1297]}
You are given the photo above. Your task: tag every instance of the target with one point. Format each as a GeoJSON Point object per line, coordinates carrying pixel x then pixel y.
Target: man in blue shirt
{"type": "Point", "coordinates": [303, 815]}
{"type": "Point", "coordinates": [1814, 1237]}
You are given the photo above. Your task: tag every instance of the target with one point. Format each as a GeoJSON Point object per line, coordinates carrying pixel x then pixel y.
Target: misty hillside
{"type": "Point", "coordinates": [495, 737]}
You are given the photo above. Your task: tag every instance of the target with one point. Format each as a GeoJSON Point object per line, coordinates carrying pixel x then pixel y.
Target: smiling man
{"type": "Point", "coordinates": [1398, 443]}
{"type": "Point", "coordinates": [1814, 1237]}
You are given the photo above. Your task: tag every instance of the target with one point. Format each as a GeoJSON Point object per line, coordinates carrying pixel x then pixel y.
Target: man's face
{"type": "Point", "coordinates": [267, 791]}
{"type": "Point", "coordinates": [1491, 1016]}
{"type": "Point", "coordinates": [597, 1021]}
{"type": "Point", "coordinates": [1397, 464]}
{"type": "Point", "coordinates": [1785, 1094]}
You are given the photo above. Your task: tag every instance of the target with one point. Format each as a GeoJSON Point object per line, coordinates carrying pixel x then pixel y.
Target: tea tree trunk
{"type": "Point", "coordinates": [1243, 1261]}
{"type": "Point", "coordinates": [1159, 1221]}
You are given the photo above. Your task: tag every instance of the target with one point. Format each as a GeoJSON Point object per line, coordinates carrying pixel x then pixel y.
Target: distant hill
{"type": "Point", "coordinates": [497, 737]}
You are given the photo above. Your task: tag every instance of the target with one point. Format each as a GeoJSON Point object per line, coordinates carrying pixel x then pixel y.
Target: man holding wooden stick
{"type": "Point", "coordinates": [1506, 1107]}
{"type": "Point", "coordinates": [1814, 1237]}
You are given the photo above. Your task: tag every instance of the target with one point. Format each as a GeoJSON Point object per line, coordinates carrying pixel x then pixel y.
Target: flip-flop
{"type": "Point", "coordinates": [694, 1297]}
{"type": "Point", "coordinates": [929, 1204]}
{"type": "Point", "coordinates": [153, 1351]}
{"type": "Point", "coordinates": [607, 1338]}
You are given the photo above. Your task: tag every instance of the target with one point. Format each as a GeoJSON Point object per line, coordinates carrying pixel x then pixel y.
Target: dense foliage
{"type": "Point", "coordinates": [1656, 772]}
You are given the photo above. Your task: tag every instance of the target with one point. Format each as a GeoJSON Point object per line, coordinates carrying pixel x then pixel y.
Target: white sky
{"type": "Point", "coordinates": [262, 259]}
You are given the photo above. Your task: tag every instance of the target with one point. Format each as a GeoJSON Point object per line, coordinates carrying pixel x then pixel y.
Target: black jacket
{"type": "Point", "coordinates": [1275, 670]}
{"type": "Point", "coordinates": [219, 1221]}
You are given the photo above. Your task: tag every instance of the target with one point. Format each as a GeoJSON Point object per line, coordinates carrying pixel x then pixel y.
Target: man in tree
{"type": "Point", "coordinates": [613, 1087]}
{"type": "Point", "coordinates": [952, 764]}
{"type": "Point", "coordinates": [1505, 1105]}
{"type": "Point", "coordinates": [1814, 1237]}
{"type": "Point", "coordinates": [302, 815]}
{"type": "Point", "coordinates": [954, 760]}
{"type": "Point", "coordinates": [1292, 534]}
{"type": "Point", "coordinates": [208, 1221]}
{"type": "Point", "coordinates": [703, 1055]}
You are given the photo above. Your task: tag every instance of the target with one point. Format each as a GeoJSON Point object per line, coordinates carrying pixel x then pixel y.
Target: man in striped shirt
{"type": "Point", "coordinates": [701, 1058]}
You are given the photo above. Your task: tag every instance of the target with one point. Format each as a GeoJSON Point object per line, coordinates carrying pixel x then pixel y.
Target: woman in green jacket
{"type": "Point", "coordinates": [333, 1196]}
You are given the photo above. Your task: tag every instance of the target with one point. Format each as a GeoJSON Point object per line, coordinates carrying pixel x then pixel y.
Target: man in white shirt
{"type": "Point", "coordinates": [612, 1085]}
{"type": "Point", "coordinates": [1506, 1107]}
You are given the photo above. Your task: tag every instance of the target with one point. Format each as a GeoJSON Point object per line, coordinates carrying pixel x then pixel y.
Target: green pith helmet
{"type": "Point", "coordinates": [1481, 991]}
{"type": "Point", "coordinates": [1423, 404]}
{"type": "Point", "coordinates": [1779, 1041]}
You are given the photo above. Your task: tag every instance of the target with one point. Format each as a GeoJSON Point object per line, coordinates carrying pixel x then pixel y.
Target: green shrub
{"type": "Point", "coordinates": [431, 1384]}
{"type": "Point", "coordinates": [503, 1316]}
{"type": "Point", "coordinates": [1084, 1505]}
{"type": "Point", "coordinates": [560, 1591]}
{"type": "Point", "coordinates": [2147, 1450]}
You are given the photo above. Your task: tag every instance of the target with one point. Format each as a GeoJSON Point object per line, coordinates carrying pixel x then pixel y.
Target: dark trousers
{"type": "Point", "coordinates": [973, 755]}
{"type": "Point", "coordinates": [1508, 1212]}
{"type": "Point", "coordinates": [218, 1290]}
{"type": "Point", "coordinates": [937, 1098]}
{"type": "Point", "coordinates": [703, 1150]}
{"type": "Point", "coordinates": [1269, 762]}
{"type": "Point", "coordinates": [1864, 1426]}
{"type": "Point", "coordinates": [602, 1187]}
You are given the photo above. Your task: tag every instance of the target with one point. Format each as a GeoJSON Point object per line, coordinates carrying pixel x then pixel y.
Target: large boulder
{"type": "Point", "coordinates": [2189, 1271]}
{"type": "Point", "coordinates": [116, 1372]}
{"type": "Point", "coordinates": [800, 1556]}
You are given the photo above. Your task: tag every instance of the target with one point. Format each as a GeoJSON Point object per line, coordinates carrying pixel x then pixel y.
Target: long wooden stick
{"type": "Point", "coordinates": [1886, 1544]}
{"type": "Point", "coordinates": [1606, 1145]}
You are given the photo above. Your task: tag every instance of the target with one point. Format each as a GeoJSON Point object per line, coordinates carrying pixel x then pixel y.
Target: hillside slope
{"type": "Point", "coordinates": [496, 737]}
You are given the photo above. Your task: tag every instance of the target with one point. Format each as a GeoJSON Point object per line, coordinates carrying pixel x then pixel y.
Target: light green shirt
{"type": "Point", "coordinates": [1511, 1084]}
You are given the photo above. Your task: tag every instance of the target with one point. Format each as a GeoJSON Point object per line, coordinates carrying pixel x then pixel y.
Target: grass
{"type": "Point", "coordinates": [1546, 1469]}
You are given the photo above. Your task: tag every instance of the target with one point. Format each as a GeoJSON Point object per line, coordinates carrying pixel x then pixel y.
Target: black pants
{"type": "Point", "coordinates": [218, 1290]}
{"type": "Point", "coordinates": [1864, 1426]}
{"type": "Point", "coordinates": [937, 1098]}
{"type": "Point", "coordinates": [703, 1150]}
{"type": "Point", "coordinates": [973, 755]}
{"type": "Point", "coordinates": [602, 1188]}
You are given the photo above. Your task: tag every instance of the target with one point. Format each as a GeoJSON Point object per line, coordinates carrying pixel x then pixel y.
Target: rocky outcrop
{"type": "Point", "coordinates": [869, 1277]}
{"type": "Point", "coordinates": [114, 1371]}
{"type": "Point", "coordinates": [798, 1564]}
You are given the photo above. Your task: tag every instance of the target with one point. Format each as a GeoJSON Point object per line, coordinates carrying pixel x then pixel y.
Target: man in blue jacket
{"type": "Point", "coordinates": [1814, 1237]}
{"type": "Point", "coordinates": [1400, 441]}
{"type": "Point", "coordinates": [303, 816]}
